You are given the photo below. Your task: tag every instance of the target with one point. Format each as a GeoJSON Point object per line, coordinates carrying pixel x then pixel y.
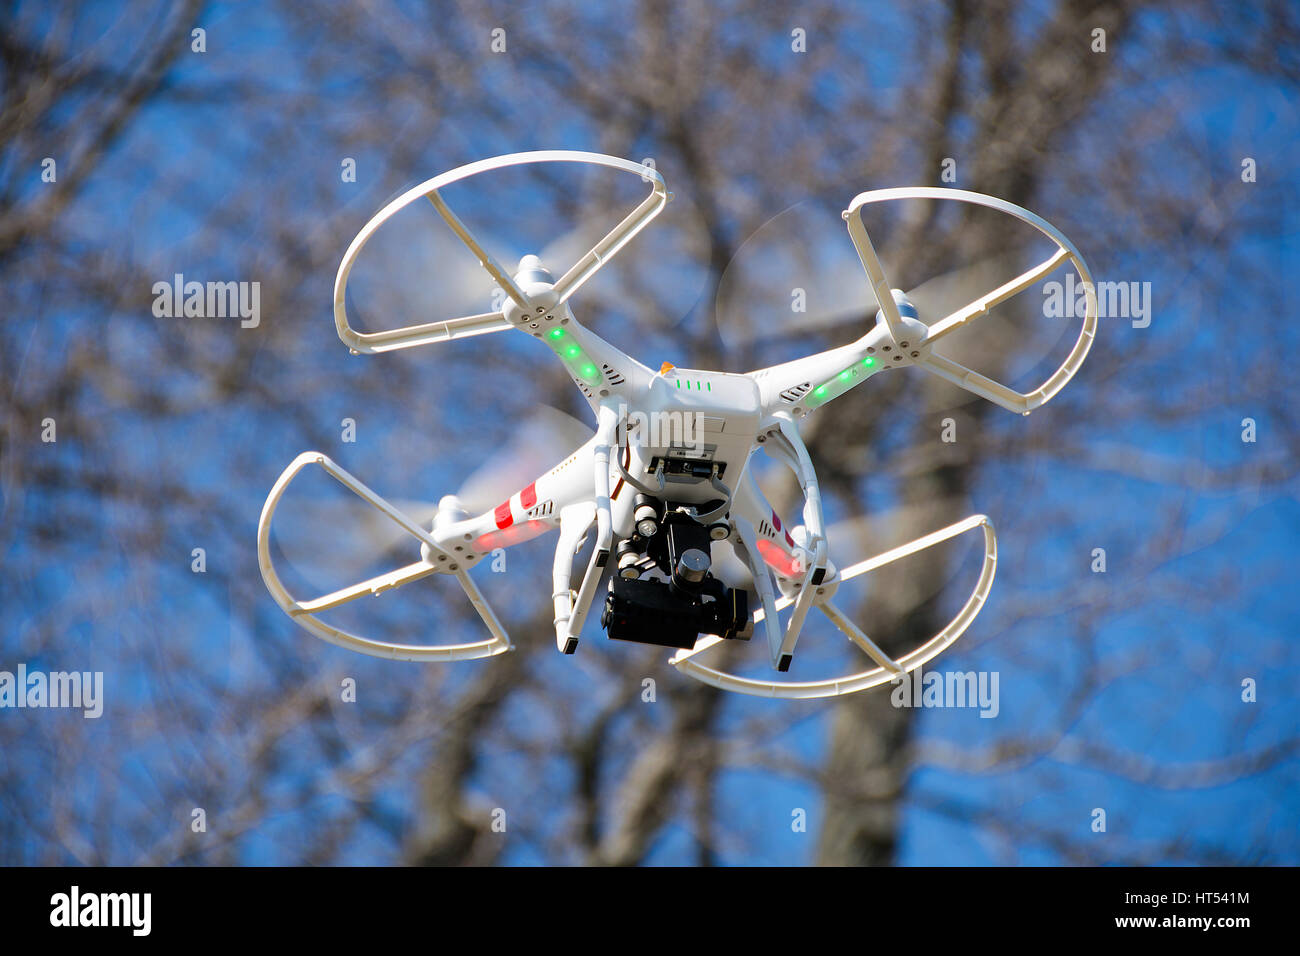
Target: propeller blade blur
{"type": "Point", "coordinates": [538, 444]}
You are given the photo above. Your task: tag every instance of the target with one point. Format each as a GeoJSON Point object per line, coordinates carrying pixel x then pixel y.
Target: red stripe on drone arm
{"type": "Point", "coordinates": [502, 513]}
{"type": "Point", "coordinates": [776, 525]}
{"type": "Point", "coordinates": [777, 558]}
{"type": "Point", "coordinates": [528, 497]}
{"type": "Point", "coordinates": [517, 534]}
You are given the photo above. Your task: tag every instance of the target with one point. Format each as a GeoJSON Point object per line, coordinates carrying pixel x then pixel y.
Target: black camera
{"type": "Point", "coordinates": [662, 591]}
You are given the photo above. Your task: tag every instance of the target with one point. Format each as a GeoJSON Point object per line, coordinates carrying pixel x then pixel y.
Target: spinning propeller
{"type": "Point", "coordinates": [308, 527]}
{"type": "Point", "coordinates": [795, 277]}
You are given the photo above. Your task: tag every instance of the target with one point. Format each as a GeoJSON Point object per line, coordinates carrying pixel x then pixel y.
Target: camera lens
{"type": "Point", "coordinates": [691, 568]}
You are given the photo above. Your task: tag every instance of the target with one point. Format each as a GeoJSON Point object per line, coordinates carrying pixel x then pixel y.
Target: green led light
{"type": "Point", "coordinates": [557, 333]}
{"type": "Point", "coordinates": [819, 391]}
{"type": "Point", "coordinates": [589, 370]}
{"type": "Point", "coordinates": [845, 375]}
{"type": "Point", "coordinates": [868, 362]}
{"type": "Point", "coordinates": [573, 351]}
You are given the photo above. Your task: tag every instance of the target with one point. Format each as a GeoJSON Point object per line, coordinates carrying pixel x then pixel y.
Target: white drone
{"type": "Point", "coordinates": [657, 501]}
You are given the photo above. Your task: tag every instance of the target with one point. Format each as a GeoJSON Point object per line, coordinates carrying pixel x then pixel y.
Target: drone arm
{"type": "Point", "coordinates": [794, 388]}
{"type": "Point", "coordinates": [600, 370]}
{"type": "Point", "coordinates": [532, 510]}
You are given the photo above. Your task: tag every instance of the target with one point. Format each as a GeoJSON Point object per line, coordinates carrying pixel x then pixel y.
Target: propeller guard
{"type": "Point", "coordinates": [888, 669]}
{"type": "Point", "coordinates": [772, 395]}
{"type": "Point", "coordinates": [959, 375]}
{"type": "Point", "coordinates": [304, 612]}
{"type": "Point", "coordinates": [484, 323]}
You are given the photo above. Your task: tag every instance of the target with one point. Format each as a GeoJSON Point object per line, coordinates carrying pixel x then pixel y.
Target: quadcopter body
{"type": "Point", "coordinates": [665, 483]}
